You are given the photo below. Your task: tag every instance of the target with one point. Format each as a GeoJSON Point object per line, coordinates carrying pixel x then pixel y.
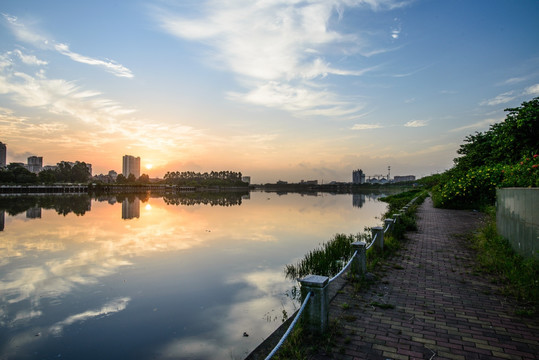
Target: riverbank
{"type": "Point", "coordinates": [436, 304]}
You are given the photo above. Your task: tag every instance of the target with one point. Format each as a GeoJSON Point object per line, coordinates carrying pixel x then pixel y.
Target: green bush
{"type": "Point", "coordinates": [477, 187]}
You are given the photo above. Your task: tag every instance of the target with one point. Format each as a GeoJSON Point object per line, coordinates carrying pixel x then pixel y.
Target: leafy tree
{"type": "Point", "coordinates": [144, 179]}
{"type": "Point", "coordinates": [120, 179]}
{"type": "Point", "coordinates": [504, 143]}
{"type": "Point", "coordinates": [17, 173]}
{"type": "Point", "coordinates": [80, 172]}
{"type": "Point", "coordinates": [63, 172]}
{"type": "Point", "coordinates": [131, 178]}
{"type": "Point", "coordinates": [47, 176]}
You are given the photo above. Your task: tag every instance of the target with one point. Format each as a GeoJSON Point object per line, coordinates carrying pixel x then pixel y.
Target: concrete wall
{"type": "Point", "coordinates": [517, 218]}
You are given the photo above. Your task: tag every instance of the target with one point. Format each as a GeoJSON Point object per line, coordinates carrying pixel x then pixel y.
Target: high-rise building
{"type": "Point", "coordinates": [131, 165]}
{"type": "Point", "coordinates": [3, 153]}
{"type": "Point", "coordinates": [35, 164]}
{"type": "Point", "coordinates": [358, 177]}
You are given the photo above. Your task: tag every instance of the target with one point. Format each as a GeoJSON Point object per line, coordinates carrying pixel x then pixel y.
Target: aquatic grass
{"type": "Point", "coordinates": [328, 259]}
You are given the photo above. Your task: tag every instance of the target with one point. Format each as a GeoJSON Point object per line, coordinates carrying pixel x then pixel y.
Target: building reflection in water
{"type": "Point", "coordinates": [131, 208]}
{"type": "Point", "coordinates": [33, 213]}
{"type": "Point", "coordinates": [358, 200]}
{"type": "Point", "coordinates": [2, 217]}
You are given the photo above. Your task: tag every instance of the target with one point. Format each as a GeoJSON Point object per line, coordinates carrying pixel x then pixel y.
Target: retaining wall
{"type": "Point", "coordinates": [517, 218]}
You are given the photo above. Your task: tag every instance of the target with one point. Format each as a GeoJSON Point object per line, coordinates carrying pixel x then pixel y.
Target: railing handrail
{"type": "Point", "coordinates": [372, 242]}
{"type": "Point", "coordinates": [344, 268]}
{"type": "Point", "coordinates": [291, 327]}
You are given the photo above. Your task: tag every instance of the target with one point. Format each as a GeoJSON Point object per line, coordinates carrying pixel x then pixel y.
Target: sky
{"type": "Point", "coordinates": [276, 89]}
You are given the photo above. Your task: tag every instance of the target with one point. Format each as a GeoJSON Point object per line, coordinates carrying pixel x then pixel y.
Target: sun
{"type": "Point", "coordinates": [148, 166]}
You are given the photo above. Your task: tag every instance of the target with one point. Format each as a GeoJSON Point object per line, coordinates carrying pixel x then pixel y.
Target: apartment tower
{"type": "Point", "coordinates": [131, 165]}
{"type": "Point", "coordinates": [3, 153]}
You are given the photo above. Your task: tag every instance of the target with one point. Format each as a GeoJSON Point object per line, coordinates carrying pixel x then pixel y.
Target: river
{"type": "Point", "coordinates": [158, 277]}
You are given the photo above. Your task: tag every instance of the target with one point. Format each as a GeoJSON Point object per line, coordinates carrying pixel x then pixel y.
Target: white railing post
{"type": "Point", "coordinates": [359, 264]}
{"type": "Point", "coordinates": [396, 218]}
{"type": "Point", "coordinates": [378, 232]}
{"type": "Point", "coordinates": [317, 310]}
{"type": "Point", "coordinates": [388, 224]}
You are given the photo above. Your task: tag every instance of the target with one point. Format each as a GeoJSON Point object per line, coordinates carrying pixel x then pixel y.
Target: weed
{"type": "Point", "coordinates": [517, 275]}
{"type": "Point", "coordinates": [382, 306]}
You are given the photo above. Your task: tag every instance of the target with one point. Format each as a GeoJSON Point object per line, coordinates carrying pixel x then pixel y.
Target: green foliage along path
{"type": "Point", "coordinates": [506, 155]}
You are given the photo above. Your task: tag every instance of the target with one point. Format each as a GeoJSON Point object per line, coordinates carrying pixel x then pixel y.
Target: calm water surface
{"type": "Point", "coordinates": [157, 278]}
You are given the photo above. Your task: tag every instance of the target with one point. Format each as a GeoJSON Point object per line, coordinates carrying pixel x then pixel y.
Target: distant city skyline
{"type": "Point", "coordinates": [284, 89]}
{"type": "Point", "coordinates": [131, 165]}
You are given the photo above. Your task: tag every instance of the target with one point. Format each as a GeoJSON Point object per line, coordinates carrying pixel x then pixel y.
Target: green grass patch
{"type": "Point", "coordinates": [518, 276]}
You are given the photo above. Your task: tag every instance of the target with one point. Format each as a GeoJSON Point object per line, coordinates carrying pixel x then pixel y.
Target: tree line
{"type": "Point", "coordinates": [64, 172]}
{"type": "Point", "coordinates": [191, 178]}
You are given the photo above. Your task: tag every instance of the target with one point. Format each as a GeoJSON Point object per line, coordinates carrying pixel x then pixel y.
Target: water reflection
{"type": "Point", "coordinates": [63, 204]}
{"type": "Point", "coordinates": [130, 208]}
{"type": "Point", "coordinates": [183, 278]}
{"type": "Point", "coordinates": [33, 213]}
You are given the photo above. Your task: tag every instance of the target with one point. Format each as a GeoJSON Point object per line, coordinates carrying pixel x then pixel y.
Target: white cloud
{"type": "Point", "coordinates": [22, 32]}
{"type": "Point", "coordinates": [366, 126]}
{"type": "Point", "coordinates": [110, 66]}
{"type": "Point", "coordinates": [532, 90]}
{"type": "Point", "coordinates": [416, 123]}
{"type": "Point", "coordinates": [88, 109]}
{"type": "Point", "coordinates": [28, 35]}
{"type": "Point", "coordinates": [500, 99]}
{"type": "Point", "coordinates": [478, 125]}
{"type": "Point", "coordinates": [277, 48]}
{"type": "Point", "coordinates": [299, 99]}
{"type": "Point", "coordinates": [29, 59]}
{"type": "Point", "coordinates": [514, 80]}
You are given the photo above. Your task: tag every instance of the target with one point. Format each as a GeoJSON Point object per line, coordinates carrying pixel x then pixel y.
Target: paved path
{"type": "Point", "coordinates": [442, 310]}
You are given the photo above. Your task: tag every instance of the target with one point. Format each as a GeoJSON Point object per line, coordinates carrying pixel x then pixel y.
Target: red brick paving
{"type": "Point", "coordinates": [442, 310]}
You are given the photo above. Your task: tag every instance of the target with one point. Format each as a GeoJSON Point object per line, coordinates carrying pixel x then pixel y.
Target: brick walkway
{"type": "Point", "coordinates": [441, 309]}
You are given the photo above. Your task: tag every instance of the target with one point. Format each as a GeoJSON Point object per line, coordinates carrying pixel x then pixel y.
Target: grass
{"type": "Point", "coordinates": [327, 260]}
{"type": "Point", "coordinates": [518, 276]}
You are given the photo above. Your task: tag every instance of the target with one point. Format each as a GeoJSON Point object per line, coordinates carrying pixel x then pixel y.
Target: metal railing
{"type": "Point", "coordinates": [344, 268]}
{"type": "Point", "coordinates": [315, 287]}
{"type": "Point", "coordinates": [290, 328]}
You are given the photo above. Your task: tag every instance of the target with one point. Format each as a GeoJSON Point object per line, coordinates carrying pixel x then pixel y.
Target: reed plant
{"type": "Point", "coordinates": [326, 260]}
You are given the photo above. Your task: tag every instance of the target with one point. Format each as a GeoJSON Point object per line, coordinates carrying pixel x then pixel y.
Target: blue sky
{"type": "Point", "coordinates": [279, 89]}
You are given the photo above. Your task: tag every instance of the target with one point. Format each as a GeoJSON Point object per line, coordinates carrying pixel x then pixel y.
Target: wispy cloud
{"type": "Point", "coordinates": [277, 49]}
{"type": "Point", "coordinates": [366, 126]}
{"type": "Point", "coordinates": [29, 59]}
{"type": "Point", "coordinates": [82, 108]}
{"type": "Point", "coordinates": [416, 123]}
{"type": "Point", "coordinates": [31, 36]}
{"type": "Point", "coordinates": [477, 125]}
{"type": "Point", "coordinates": [532, 90]}
{"type": "Point", "coordinates": [110, 65]}
{"type": "Point", "coordinates": [511, 95]}
{"type": "Point", "coordinates": [514, 80]}
{"type": "Point", "coordinates": [500, 99]}
{"type": "Point", "coordinates": [111, 307]}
